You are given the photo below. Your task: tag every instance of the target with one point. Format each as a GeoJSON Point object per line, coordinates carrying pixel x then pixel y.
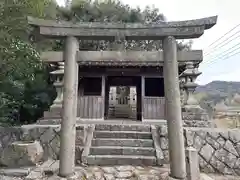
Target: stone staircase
{"type": "Point", "coordinates": [122, 145]}
{"type": "Point", "coordinates": [122, 111]}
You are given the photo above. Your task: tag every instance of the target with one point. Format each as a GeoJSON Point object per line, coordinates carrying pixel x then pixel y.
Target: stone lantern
{"type": "Point", "coordinates": [193, 114]}
{"type": "Point", "coordinates": [190, 74]}
{"type": "Point", "coordinates": [58, 77]}
{"type": "Point", "coordinates": [183, 94]}
{"type": "Point", "coordinates": [56, 108]}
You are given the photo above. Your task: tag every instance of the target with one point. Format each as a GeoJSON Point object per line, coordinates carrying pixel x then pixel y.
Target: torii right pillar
{"type": "Point", "coordinates": [173, 109]}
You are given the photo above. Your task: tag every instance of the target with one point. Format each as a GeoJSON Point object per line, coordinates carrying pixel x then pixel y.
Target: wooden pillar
{"type": "Point", "coordinates": [69, 115]}
{"type": "Point", "coordinates": [173, 109]}
{"type": "Point", "coordinates": [103, 95]}
{"type": "Point", "coordinates": [80, 94]}
{"type": "Point", "coordinates": [139, 100]}
{"type": "Point", "coordinates": [77, 105]}
{"type": "Point", "coordinates": [143, 94]}
{"type": "Point", "coordinates": [107, 89]}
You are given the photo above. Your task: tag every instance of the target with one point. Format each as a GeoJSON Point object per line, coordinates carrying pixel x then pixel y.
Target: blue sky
{"type": "Point", "coordinates": [217, 63]}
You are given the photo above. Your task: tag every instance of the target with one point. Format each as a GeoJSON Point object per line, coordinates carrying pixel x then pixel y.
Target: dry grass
{"type": "Point", "coordinates": [226, 123]}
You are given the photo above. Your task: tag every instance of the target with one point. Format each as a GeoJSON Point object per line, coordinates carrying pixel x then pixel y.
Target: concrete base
{"type": "Point", "coordinates": [56, 121]}
{"type": "Point", "coordinates": [77, 175]}
{"type": "Point", "coordinates": [55, 112]}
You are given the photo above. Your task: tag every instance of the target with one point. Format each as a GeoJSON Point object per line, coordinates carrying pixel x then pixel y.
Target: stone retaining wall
{"type": "Point", "coordinates": [218, 149]}
{"type": "Point", "coordinates": [47, 135]}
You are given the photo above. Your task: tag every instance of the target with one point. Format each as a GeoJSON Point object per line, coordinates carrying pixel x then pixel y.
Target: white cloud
{"type": "Point", "coordinates": [61, 2]}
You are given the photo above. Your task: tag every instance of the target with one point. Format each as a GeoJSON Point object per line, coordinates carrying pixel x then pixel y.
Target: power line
{"type": "Point", "coordinates": [226, 56]}
{"type": "Point", "coordinates": [223, 53]}
{"type": "Point", "coordinates": [224, 72]}
{"type": "Point", "coordinates": [223, 43]}
{"type": "Point", "coordinates": [223, 35]}
{"type": "Point", "coordinates": [221, 72]}
{"type": "Point", "coordinates": [226, 42]}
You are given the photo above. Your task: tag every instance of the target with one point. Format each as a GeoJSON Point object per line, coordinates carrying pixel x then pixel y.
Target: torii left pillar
{"type": "Point", "coordinates": [173, 109]}
{"type": "Point", "coordinates": [69, 115]}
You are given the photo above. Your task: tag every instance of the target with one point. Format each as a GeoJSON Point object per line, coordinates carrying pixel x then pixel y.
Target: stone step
{"type": "Point", "coordinates": [117, 115]}
{"type": "Point", "coordinates": [114, 127]}
{"type": "Point", "coordinates": [122, 134]}
{"type": "Point", "coordinates": [118, 150]}
{"type": "Point", "coordinates": [121, 113]}
{"type": "Point", "coordinates": [121, 160]}
{"type": "Point", "coordinates": [122, 110]}
{"type": "Point", "coordinates": [121, 106]}
{"type": "Point", "coordinates": [123, 142]}
{"type": "Point", "coordinates": [127, 107]}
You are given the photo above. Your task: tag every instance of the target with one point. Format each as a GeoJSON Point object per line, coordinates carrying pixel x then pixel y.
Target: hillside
{"type": "Point", "coordinates": [223, 88]}
{"type": "Point", "coordinates": [210, 94]}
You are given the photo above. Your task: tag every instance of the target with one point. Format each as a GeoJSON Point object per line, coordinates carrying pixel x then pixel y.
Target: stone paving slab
{"type": "Point", "coordinates": [107, 173]}
{"type": "Point", "coordinates": [101, 172]}
{"type": "Point", "coordinates": [19, 172]}
{"type": "Point", "coordinates": [120, 173]}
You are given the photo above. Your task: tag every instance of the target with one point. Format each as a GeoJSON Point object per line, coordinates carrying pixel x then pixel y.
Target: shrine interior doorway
{"type": "Point", "coordinates": [123, 98]}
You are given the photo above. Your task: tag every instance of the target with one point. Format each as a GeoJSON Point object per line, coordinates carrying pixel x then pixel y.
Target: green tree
{"type": "Point", "coordinates": [25, 86]}
{"type": "Point", "coordinates": [114, 11]}
{"type": "Point", "coordinates": [21, 70]}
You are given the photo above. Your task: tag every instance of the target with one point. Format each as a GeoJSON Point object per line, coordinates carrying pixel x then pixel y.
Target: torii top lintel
{"type": "Point", "coordinates": [130, 31]}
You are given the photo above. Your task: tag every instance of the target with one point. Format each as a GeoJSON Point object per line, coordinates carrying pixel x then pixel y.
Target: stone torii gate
{"type": "Point", "coordinates": [168, 32]}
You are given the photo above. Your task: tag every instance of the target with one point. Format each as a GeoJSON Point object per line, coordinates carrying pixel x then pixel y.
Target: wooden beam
{"type": "Point", "coordinates": [108, 58]}
{"type": "Point", "coordinates": [105, 31]}
{"type": "Point", "coordinates": [120, 71]}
